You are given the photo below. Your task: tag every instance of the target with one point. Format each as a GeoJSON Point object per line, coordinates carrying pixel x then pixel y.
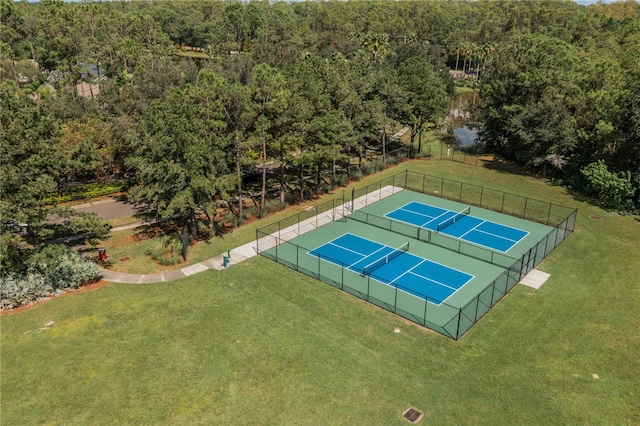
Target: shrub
{"type": "Point", "coordinates": [613, 190]}
{"type": "Point", "coordinates": [378, 165]}
{"type": "Point", "coordinates": [166, 250]}
{"type": "Point", "coordinates": [342, 179]}
{"type": "Point", "coordinates": [367, 169]}
{"type": "Point", "coordinates": [86, 191]}
{"type": "Point", "coordinates": [54, 268]}
{"type": "Point", "coordinates": [20, 290]}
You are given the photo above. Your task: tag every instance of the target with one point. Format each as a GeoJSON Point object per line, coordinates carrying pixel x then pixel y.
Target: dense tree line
{"type": "Point", "coordinates": [304, 87]}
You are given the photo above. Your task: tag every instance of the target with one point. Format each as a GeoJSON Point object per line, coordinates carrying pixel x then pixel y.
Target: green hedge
{"type": "Point", "coordinates": [87, 191]}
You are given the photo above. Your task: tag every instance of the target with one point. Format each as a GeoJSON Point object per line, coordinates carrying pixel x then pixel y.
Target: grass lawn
{"type": "Point", "coordinates": [259, 343]}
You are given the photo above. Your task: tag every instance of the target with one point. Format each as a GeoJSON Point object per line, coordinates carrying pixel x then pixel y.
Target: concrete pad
{"type": "Point", "coordinates": [194, 269]}
{"type": "Point", "coordinates": [535, 279]}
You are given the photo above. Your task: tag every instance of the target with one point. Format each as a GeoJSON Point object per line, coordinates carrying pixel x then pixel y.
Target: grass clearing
{"type": "Point", "coordinates": [258, 343]}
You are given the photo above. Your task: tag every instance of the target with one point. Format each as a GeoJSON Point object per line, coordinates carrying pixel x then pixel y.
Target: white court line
{"type": "Point", "coordinates": [462, 236]}
{"type": "Point", "coordinates": [408, 270]}
{"type": "Point", "coordinates": [332, 242]}
{"type": "Point", "coordinates": [360, 260]}
{"type": "Point", "coordinates": [499, 236]}
{"type": "Point", "coordinates": [437, 217]}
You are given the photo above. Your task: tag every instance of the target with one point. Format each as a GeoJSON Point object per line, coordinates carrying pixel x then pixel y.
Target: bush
{"type": "Point", "coordinates": [54, 268]}
{"type": "Point", "coordinates": [89, 190]}
{"type": "Point", "coordinates": [367, 169]}
{"type": "Point", "coordinates": [166, 250]}
{"type": "Point", "coordinates": [342, 179]}
{"type": "Point", "coordinates": [20, 290]}
{"type": "Point", "coordinates": [611, 189]}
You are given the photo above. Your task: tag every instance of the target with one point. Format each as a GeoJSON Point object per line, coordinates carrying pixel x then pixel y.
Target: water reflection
{"type": "Point", "coordinates": [463, 119]}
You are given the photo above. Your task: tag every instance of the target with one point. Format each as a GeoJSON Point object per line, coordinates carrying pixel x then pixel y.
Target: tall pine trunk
{"type": "Point", "coordinates": [264, 174]}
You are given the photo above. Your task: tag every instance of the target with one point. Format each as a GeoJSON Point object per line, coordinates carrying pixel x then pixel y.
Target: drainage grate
{"type": "Point", "coordinates": [412, 415]}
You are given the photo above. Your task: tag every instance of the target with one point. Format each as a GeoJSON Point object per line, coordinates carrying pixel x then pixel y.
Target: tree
{"type": "Point", "coordinates": [32, 162]}
{"type": "Point", "coordinates": [531, 92]}
{"type": "Point", "coordinates": [270, 98]}
{"type": "Point", "coordinates": [427, 94]}
{"type": "Point", "coordinates": [181, 162]}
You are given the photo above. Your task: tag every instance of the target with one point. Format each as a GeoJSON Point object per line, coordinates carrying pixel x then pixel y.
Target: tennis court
{"type": "Point", "coordinates": [461, 225]}
{"type": "Point", "coordinates": [461, 261]}
{"type": "Point", "coordinates": [395, 267]}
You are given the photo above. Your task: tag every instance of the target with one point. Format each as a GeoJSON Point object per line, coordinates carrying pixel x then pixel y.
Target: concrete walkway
{"type": "Point", "coordinates": [240, 254]}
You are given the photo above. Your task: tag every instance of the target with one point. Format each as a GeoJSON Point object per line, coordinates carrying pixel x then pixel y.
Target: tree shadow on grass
{"type": "Point", "coordinates": [506, 166]}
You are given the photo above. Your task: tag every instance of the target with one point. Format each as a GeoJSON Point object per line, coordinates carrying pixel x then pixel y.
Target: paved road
{"type": "Point", "coordinates": [110, 208]}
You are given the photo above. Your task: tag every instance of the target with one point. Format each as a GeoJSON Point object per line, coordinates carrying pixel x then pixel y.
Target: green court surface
{"type": "Point", "coordinates": [536, 231]}
{"type": "Point", "coordinates": [491, 280]}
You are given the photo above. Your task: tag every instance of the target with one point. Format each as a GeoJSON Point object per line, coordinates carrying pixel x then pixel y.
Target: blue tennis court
{"type": "Point", "coordinates": [395, 267]}
{"type": "Point", "coordinates": [459, 225]}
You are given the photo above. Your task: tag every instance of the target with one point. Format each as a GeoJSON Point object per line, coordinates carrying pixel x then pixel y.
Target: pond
{"type": "Point", "coordinates": [462, 121]}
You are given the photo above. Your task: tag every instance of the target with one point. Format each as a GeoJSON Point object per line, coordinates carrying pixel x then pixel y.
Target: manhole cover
{"type": "Point", "coordinates": [123, 258]}
{"type": "Point", "coordinates": [412, 415]}
{"type": "Point", "coordinates": [594, 217]}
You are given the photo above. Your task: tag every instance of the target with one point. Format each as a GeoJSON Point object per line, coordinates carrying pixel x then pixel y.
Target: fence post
{"type": "Point", "coordinates": [460, 193]}
{"type": "Point", "coordinates": [502, 206]}
{"type": "Point", "coordinates": [549, 213]}
{"type": "Point", "coordinates": [395, 302]}
{"type": "Point", "coordinates": [524, 213]}
{"type": "Point", "coordinates": [459, 318]}
{"type": "Point", "coordinates": [299, 224]}
{"type": "Point", "coordinates": [368, 287]}
{"type": "Point", "coordinates": [406, 178]}
{"type": "Point", "coordinates": [481, 193]}
{"type": "Point", "coordinates": [424, 178]}
{"type": "Point", "coordinates": [257, 242]}
{"type": "Point", "coordinates": [426, 302]}
{"type": "Point", "coordinates": [316, 217]}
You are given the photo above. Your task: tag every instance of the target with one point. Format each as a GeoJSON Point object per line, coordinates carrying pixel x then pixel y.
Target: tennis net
{"type": "Point", "coordinates": [453, 219]}
{"type": "Point", "coordinates": [367, 270]}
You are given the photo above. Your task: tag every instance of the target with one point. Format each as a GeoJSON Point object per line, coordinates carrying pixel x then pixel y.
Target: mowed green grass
{"type": "Point", "coordinates": [258, 343]}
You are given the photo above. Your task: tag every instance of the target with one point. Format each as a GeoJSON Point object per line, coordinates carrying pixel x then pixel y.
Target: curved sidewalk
{"type": "Point", "coordinates": [248, 250]}
{"type": "Point", "coordinates": [237, 255]}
